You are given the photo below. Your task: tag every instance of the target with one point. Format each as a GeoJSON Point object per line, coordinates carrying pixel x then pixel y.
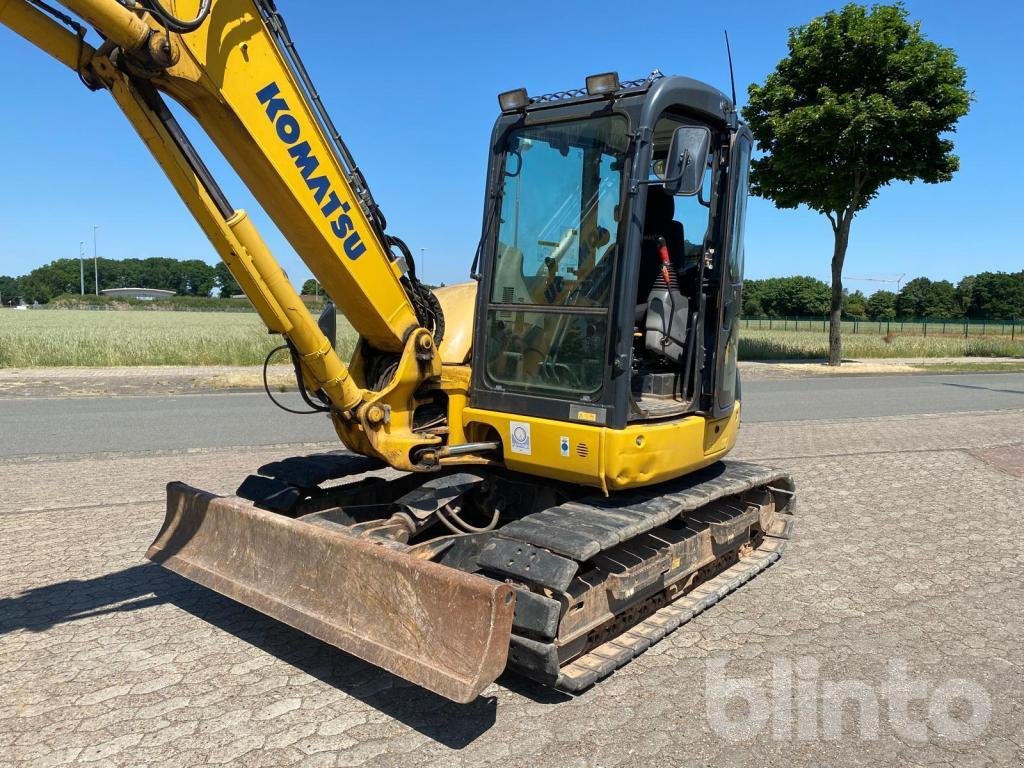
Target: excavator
{"type": "Point", "coordinates": [533, 475]}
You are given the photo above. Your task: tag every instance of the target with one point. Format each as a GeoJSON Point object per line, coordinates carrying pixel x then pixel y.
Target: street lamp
{"type": "Point", "coordinates": [95, 266]}
{"type": "Point", "coordinates": [81, 265]}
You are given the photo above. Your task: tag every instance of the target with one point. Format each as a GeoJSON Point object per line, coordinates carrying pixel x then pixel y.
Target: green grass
{"type": "Point", "coordinates": [88, 338]}
{"type": "Point", "coordinates": [170, 304]}
{"type": "Point", "coordinates": [813, 345]}
{"type": "Point", "coordinates": [70, 337]}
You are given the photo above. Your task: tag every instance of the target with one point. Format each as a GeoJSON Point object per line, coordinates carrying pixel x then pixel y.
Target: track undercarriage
{"type": "Point", "coordinates": [447, 579]}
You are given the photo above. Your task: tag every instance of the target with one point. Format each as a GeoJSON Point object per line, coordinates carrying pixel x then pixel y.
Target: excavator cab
{"type": "Point", "coordinates": [596, 297]}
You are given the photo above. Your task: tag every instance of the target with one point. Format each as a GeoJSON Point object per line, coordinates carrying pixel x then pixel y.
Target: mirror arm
{"type": "Point", "coordinates": [637, 184]}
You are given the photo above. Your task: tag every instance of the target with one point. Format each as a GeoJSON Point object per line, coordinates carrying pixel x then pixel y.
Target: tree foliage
{"type": "Point", "coordinates": [310, 288]}
{"type": "Point", "coordinates": [985, 296]}
{"type": "Point", "coordinates": [785, 297]}
{"type": "Point", "coordinates": [855, 306]}
{"type": "Point", "coordinates": [227, 286]}
{"type": "Point", "coordinates": [924, 298]}
{"type": "Point", "coordinates": [996, 296]}
{"type": "Point", "coordinates": [882, 305]}
{"type": "Point", "coordinates": [861, 100]}
{"type": "Point", "coordinates": [190, 277]}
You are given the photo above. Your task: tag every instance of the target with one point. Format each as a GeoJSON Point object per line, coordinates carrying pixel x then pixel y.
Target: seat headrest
{"type": "Point", "coordinates": [661, 206]}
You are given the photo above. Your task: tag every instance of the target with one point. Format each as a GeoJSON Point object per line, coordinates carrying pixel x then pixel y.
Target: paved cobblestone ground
{"type": "Point", "coordinates": [905, 580]}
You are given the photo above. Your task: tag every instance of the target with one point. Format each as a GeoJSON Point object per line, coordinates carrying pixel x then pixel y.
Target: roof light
{"type": "Point", "coordinates": [607, 82]}
{"type": "Point", "coordinates": [510, 101]}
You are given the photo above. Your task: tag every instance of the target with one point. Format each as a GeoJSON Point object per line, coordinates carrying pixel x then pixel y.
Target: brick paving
{"type": "Point", "coordinates": [905, 580]}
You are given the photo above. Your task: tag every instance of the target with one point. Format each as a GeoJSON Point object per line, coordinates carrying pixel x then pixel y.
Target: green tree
{"type": "Point", "coordinates": [752, 292]}
{"type": "Point", "coordinates": [311, 288]}
{"type": "Point", "coordinates": [861, 100]}
{"type": "Point", "coordinates": [227, 286]}
{"type": "Point", "coordinates": [910, 301]}
{"type": "Point", "coordinates": [793, 296]}
{"type": "Point", "coordinates": [882, 305]}
{"type": "Point", "coordinates": [928, 300]}
{"type": "Point", "coordinates": [940, 303]}
{"type": "Point", "coordinates": [9, 291]}
{"type": "Point", "coordinates": [855, 305]}
{"type": "Point", "coordinates": [998, 296]}
{"type": "Point", "coordinates": [965, 294]}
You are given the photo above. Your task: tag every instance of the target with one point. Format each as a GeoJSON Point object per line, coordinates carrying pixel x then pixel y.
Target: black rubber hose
{"type": "Point", "coordinates": [266, 384]}
{"type": "Point", "coordinates": [173, 23]}
{"type": "Point", "coordinates": [318, 407]}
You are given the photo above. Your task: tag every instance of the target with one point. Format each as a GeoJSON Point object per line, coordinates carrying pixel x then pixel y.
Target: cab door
{"type": "Point", "coordinates": [726, 374]}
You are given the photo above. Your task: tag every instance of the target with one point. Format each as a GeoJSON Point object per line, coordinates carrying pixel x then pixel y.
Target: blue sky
{"type": "Point", "coordinates": [412, 88]}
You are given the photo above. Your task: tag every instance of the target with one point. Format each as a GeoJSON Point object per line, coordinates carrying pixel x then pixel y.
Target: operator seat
{"type": "Point", "coordinates": [662, 311]}
{"type": "Point", "coordinates": [658, 222]}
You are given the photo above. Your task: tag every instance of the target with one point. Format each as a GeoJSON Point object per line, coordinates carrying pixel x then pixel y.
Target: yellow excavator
{"type": "Point", "coordinates": [533, 472]}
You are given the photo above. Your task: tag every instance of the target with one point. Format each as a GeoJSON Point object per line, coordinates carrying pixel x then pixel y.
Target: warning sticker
{"type": "Point", "coordinates": [563, 445]}
{"type": "Point", "coordinates": [520, 434]}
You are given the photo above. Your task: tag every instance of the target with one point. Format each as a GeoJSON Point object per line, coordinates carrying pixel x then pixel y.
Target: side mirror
{"type": "Point", "coordinates": [328, 322]}
{"type": "Point", "coordinates": [687, 159]}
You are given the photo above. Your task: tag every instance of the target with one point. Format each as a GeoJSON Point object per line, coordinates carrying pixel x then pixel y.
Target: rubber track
{"type": "Point", "coordinates": [582, 529]}
{"type": "Point", "coordinates": [600, 662]}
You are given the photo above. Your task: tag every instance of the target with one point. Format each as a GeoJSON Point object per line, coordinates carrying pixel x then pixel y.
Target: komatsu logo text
{"type": "Point", "coordinates": [332, 207]}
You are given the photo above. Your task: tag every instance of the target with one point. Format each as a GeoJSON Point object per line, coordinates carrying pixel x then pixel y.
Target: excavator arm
{"type": "Point", "coordinates": [233, 67]}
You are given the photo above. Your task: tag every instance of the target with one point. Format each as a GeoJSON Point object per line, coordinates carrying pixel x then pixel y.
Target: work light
{"type": "Point", "coordinates": [607, 82]}
{"type": "Point", "coordinates": [513, 100]}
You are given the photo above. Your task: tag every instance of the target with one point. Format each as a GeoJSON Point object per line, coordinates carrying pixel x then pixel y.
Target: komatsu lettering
{"type": "Point", "coordinates": [290, 132]}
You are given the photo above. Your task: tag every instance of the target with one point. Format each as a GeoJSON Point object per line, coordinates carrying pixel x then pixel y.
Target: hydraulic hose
{"type": "Point", "coordinates": [173, 23]}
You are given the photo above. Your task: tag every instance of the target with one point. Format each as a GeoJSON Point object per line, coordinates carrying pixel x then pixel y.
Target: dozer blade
{"type": "Point", "coordinates": [438, 627]}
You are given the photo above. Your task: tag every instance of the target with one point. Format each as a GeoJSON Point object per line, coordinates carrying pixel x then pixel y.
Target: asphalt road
{"type": "Point", "coordinates": [847, 397]}
{"type": "Point", "coordinates": [31, 426]}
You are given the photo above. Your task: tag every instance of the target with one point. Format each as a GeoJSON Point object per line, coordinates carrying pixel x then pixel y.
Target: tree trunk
{"type": "Point", "coordinates": [835, 340]}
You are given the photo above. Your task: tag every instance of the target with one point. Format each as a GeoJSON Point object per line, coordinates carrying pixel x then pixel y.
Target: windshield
{"type": "Point", "coordinates": [559, 210]}
{"type": "Point", "coordinates": [556, 246]}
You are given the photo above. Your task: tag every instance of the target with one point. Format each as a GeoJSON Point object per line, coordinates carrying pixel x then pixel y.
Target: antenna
{"type": "Point", "coordinates": [732, 77]}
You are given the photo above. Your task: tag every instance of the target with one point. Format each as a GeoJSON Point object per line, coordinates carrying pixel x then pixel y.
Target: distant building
{"type": "Point", "coordinates": [143, 294]}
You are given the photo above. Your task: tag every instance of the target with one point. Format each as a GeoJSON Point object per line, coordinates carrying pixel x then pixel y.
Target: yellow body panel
{"type": "Point", "coordinates": [609, 459]}
{"type": "Point", "coordinates": [458, 302]}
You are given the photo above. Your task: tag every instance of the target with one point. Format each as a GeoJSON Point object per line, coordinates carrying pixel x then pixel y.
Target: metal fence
{"type": "Point", "coordinates": [960, 327]}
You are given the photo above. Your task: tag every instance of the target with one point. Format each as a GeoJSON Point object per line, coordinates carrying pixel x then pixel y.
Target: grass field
{"type": "Point", "coordinates": [810, 345]}
{"type": "Point", "coordinates": [39, 338]}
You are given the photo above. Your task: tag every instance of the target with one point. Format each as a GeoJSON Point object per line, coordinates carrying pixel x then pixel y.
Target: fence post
{"type": "Point", "coordinates": [965, 327]}
{"type": "Point", "coordinates": [925, 325]}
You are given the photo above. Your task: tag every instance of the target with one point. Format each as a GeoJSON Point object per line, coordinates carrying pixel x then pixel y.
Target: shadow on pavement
{"type": "Point", "coordinates": [989, 389]}
{"type": "Point", "coordinates": [142, 586]}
